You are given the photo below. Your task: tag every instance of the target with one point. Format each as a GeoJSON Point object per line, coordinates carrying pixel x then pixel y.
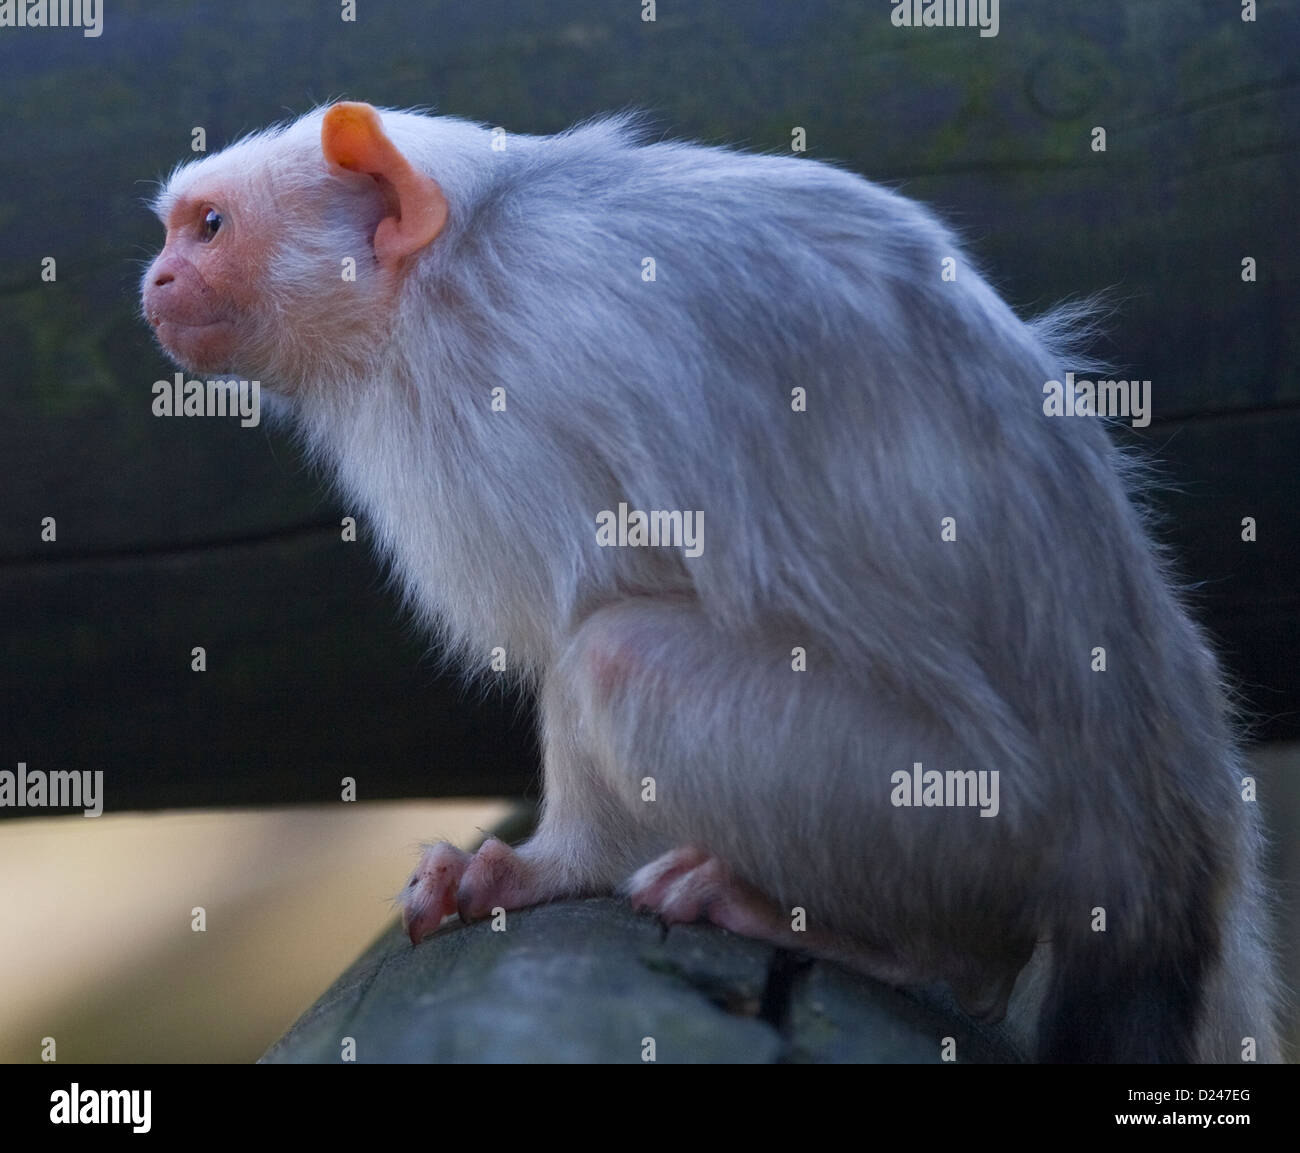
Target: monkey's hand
{"type": "Point", "coordinates": [449, 880]}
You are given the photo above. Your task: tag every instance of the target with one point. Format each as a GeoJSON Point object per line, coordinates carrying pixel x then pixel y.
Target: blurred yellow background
{"type": "Point", "coordinates": [96, 945]}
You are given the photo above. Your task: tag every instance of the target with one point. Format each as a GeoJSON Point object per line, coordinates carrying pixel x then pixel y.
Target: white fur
{"type": "Point", "coordinates": [924, 402]}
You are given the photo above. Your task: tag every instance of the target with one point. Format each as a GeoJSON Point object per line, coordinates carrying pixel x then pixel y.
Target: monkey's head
{"type": "Point", "coordinates": [286, 253]}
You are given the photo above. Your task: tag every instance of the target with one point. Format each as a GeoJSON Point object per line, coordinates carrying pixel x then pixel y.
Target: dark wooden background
{"type": "Point", "coordinates": [173, 533]}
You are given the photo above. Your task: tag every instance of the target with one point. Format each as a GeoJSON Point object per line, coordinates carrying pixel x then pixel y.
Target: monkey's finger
{"type": "Point", "coordinates": [430, 895]}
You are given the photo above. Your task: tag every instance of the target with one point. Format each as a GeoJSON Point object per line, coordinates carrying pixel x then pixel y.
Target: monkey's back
{"type": "Point", "coordinates": [880, 485]}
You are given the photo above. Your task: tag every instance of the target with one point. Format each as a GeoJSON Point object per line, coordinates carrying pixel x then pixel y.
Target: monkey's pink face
{"type": "Point", "coordinates": [198, 292]}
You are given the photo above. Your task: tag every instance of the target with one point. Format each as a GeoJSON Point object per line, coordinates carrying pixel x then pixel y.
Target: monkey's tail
{"type": "Point", "coordinates": [1108, 1003]}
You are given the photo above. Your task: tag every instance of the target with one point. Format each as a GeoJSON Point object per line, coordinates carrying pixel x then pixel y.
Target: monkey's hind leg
{"type": "Point", "coordinates": [768, 793]}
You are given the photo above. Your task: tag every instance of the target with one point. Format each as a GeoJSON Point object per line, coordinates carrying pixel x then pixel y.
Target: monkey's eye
{"type": "Point", "coordinates": [211, 223]}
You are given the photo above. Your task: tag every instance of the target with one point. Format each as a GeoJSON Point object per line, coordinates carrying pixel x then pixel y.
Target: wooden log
{"type": "Point", "coordinates": [592, 981]}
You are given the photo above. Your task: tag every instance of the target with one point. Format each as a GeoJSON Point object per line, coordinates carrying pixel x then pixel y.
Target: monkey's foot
{"type": "Point", "coordinates": [688, 884]}
{"type": "Point", "coordinates": [449, 880]}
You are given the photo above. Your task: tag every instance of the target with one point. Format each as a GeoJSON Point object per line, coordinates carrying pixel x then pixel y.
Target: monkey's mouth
{"type": "Point", "coordinates": [201, 346]}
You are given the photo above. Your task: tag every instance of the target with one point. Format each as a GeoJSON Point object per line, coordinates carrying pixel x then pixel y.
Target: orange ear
{"type": "Point", "coordinates": [352, 136]}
